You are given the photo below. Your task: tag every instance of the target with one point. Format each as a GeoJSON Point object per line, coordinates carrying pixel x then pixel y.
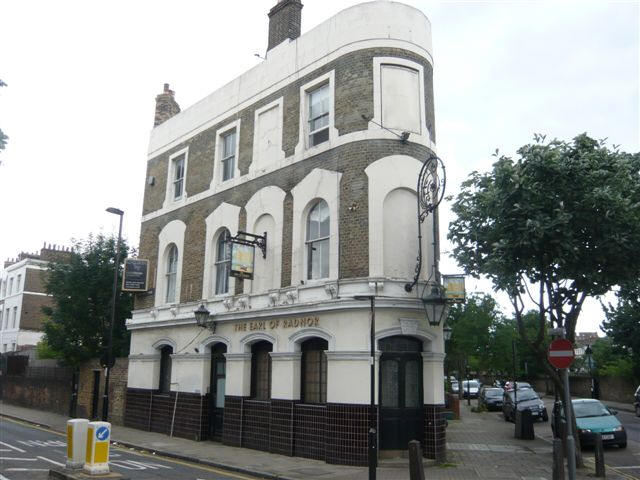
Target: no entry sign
{"type": "Point", "coordinates": [561, 353]}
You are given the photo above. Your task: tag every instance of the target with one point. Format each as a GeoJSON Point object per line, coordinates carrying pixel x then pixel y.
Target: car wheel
{"type": "Point", "coordinates": [506, 419]}
{"type": "Point", "coordinates": [545, 417]}
{"type": "Point", "coordinates": [623, 445]}
{"type": "Point", "coordinates": [638, 410]}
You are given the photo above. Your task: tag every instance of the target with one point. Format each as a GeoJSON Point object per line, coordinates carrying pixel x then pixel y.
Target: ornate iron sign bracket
{"type": "Point", "coordinates": [430, 191]}
{"type": "Point", "coordinates": [259, 241]}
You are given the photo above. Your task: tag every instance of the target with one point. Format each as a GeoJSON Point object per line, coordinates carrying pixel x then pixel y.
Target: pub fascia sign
{"type": "Point", "coordinates": [136, 275]}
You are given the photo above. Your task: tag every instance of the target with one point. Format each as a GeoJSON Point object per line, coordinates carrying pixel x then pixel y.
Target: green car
{"type": "Point", "coordinates": [593, 417]}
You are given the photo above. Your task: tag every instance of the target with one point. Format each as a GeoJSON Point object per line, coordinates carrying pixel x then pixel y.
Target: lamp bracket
{"type": "Point", "coordinates": [259, 241]}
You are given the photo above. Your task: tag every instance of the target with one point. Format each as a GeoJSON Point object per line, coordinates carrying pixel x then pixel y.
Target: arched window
{"type": "Point", "coordinates": [164, 385]}
{"type": "Point", "coordinates": [223, 262]}
{"type": "Point", "coordinates": [171, 273]}
{"type": "Point", "coordinates": [261, 370]}
{"type": "Point", "coordinates": [318, 241]}
{"type": "Point", "coordinates": [314, 371]}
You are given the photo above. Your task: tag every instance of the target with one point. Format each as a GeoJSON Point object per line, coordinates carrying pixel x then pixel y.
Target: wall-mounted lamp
{"type": "Point", "coordinates": [204, 318]}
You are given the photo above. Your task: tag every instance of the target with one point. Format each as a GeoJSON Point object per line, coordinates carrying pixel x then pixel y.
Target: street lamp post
{"type": "Point", "coordinates": [446, 333]}
{"type": "Point", "coordinates": [373, 436]}
{"type": "Point", "coordinates": [589, 354]}
{"type": "Point", "coordinates": [109, 362]}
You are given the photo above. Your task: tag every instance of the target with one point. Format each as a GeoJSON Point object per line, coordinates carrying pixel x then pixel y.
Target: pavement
{"type": "Point", "coordinates": [479, 446]}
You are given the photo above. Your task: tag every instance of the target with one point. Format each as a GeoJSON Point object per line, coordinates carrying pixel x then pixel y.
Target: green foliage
{"type": "Point", "coordinates": [79, 319]}
{"type": "Point", "coordinates": [610, 360]}
{"type": "Point", "coordinates": [44, 351]}
{"type": "Point", "coordinates": [560, 223]}
{"type": "Point", "coordinates": [623, 325]}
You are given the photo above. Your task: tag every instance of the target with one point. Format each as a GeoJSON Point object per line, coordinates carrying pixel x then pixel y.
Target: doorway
{"type": "Point", "coordinates": [217, 391]}
{"type": "Point", "coordinates": [400, 394]}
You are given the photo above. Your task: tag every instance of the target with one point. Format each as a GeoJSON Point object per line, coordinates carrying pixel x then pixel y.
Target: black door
{"type": "Point", "coordinates": [217, 389]}
{"type": "Point", "coordinates": [401, 410]}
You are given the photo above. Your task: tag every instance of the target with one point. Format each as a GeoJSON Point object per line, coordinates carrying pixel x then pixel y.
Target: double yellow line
{"type": "Point", "coordinates": [628, 476]}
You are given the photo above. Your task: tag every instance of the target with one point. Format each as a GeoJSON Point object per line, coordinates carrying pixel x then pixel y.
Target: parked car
{"type": "Point", "coordinates": [509, 385]}
{"type": "Point", "coordinates": [593, 417]}
{"type": "Point", "coordinates": [454, 386]}
{"type": "Point", "coordinates": [470, 388]}
{"type": "Point", "coordinates": [491, 398]}
{"type": "Point", "coordinates": [523, 399]}
{"type": "Point", "coordinates": [637, 402]}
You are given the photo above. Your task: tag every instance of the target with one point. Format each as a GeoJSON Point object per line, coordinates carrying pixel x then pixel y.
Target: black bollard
{"type": "Point", "coordinates": [558, 460]}
{"type": "Point", "coordinates": [600, 470]}
{"type": "Point", "coordinates": [416, 470]}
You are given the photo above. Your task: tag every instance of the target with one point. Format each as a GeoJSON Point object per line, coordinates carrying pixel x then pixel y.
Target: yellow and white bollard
{"type": "Point", "coordinates": [76, 442]}
{"type": "Point", "coordinates": [97, 455]}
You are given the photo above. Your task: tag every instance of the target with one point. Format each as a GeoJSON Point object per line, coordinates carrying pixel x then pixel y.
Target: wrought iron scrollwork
{"type": "Point", "coordinates": [431, 186]}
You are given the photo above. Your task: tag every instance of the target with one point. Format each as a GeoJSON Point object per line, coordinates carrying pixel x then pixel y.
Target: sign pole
{"type": "Point", "coordinates": [561, 355]}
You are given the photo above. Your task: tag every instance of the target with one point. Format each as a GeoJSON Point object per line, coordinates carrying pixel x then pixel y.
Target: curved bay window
{"type": "Point", "coordinates": [164, 385]}
{"type": "Point", "coordinates": [314, 371]}
{"type": "Point", "coordinates": [261, 370]}
{"type": "Point", "coordinates": [171, 274]}
{"type": "Point", "coordinates": [318, 241]}
{"type": "Point", "coordinates": [223, 262]}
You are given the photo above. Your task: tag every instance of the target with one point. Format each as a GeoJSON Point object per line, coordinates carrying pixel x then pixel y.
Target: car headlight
{"type": "Point", "coordinates": [584, 430]}
{"type": "Point", "coordinates": [619, 428]}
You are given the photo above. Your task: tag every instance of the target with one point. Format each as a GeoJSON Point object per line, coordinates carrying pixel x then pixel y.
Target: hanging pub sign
{"type": "Point", "coordinates": [454, 288]}
{"type": "Point", "coordinates": [242, 261]}
{"type": "Point", "coordinates": [136, 275]}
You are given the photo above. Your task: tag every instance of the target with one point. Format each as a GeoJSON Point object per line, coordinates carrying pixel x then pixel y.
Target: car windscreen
{"type": "Point", "coordinates": [471, 384]}
{"type": "Point", "coordinates": [524, 395]}
{"type": "Point", "coordinates": [590, 409]}
{"type": "Point", "coordinates": [493, 392]}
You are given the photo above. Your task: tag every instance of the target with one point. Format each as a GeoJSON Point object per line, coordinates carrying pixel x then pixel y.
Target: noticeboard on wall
{"type": "Point", "coordinates": [136, 275]}
{"type": "Point", "coordinates": [242, 258]}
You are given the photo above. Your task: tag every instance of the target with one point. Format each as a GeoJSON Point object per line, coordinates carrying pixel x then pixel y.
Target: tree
{"type": "Point", "coordinates": [471, 324]}
{"type": "Point", "coordinates": [623, 323]}
{"type": "Point", "coordinates": [559, 224]}
{"type": "Point", "coordinates": [610, 360]}
{"type": "Point", "coordinates": [78, 323]}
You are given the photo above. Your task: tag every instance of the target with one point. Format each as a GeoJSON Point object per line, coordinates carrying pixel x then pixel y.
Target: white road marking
{"type": "Point", "coordinates": [2, 477]}
{"type": "Point", "coordinates": [19, 459]}
{"type": "Point", "coordinates": [27, 469]}
{"type": "Point", "coordinates": [135, 465]}
{"type": "Point", "coordinates": [13, 448]}
{"type": "Point", "coordinates": [40, 443]}
{"type": "Point", "coordinates": [620, 468]}
{"type": "Point", "coordinates": [52, 461]}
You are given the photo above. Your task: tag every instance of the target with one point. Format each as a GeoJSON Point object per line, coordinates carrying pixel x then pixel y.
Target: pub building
{"type": "Point", "coordinates": [300, 177]}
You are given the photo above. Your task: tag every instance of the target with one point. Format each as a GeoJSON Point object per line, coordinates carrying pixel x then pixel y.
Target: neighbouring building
{"type": "Point", "coordinates": [310, 146]}
{"type": "Point", "coordinates": [22, 296]}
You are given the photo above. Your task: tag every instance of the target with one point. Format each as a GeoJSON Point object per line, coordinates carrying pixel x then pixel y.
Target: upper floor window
{"type": "Point", "coordinates": [314, 371]}
{"type": "Point", "coordinates": [171, 274]}
{"type": "Point", "coordinates": [261, 370]}
{"type": "Point", "coordinates": [18, 283]}
{"type": "Point", "coordinates": [318, 241]}
{"type": "Point", "coordinates": [228, 155]}
{"type": "Point", "coordinates": [15, 316]}
{"type": "Point", "coordinates": [164, 383]}
{"type": "Point", "coordinates": [178, 176]}
{"type": "Point", "coordinates": [10, 285]}
{"type": "Point", "coordinates": [223, 262]}
{"type": "Point", "coordinates": [318, 115]}
{"type": "Point", "coordinates": [1, 317]}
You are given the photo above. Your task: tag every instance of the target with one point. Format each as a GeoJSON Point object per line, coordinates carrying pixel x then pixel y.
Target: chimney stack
{"type": "Point", "coordinates": [284, 22]}
{"type": "Point", "coordinates": [166, 106]}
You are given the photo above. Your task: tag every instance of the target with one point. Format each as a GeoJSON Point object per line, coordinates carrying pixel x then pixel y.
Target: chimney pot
{"type": "Point", "coordinates": [166, 106]}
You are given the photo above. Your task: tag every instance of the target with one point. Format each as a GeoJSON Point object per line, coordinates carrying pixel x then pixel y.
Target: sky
{"type": "Point", "coordinates": [82, 79]}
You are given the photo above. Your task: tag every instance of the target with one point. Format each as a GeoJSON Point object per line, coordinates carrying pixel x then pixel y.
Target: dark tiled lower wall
{"type": "Point", "coordinates": [148, 410]}
{"type": "Point", "coordinates": [335, 433]}
{"type": "Point", "coordinates": [435, 433]}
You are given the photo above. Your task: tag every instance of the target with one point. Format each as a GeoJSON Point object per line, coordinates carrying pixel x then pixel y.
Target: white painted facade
{"type": "Point", "coordinates": [12, 294]}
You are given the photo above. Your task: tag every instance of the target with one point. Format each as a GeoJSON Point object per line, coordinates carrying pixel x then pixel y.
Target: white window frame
{"type": "Point", "coordinates": [173, 232]}
{"type": "Point", "coordinates": [219, 151]}
{"type": "Point", "coordinates": [171, 275]}
{"type": "Point", "coordinates": [15, 318]}
{"type": "Point", "coordinates": [278, 103]}
{"type": "Point", "coordinates": [376, 121]}
{"type": "Point", "coordinates": [225, 215]}
{"type": "Point", "coordinates": [18, 282]}
{"type": "Point", "coordinates": [305, 90]}
{"type": "Point", "coordinates": [11, 286]}
{"type": "Point", "coordinates": [217, 263]}
{"type": "Point", "coordinates": [309, 243]}
{"type": "Point", "coordinates": [170, 197]}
